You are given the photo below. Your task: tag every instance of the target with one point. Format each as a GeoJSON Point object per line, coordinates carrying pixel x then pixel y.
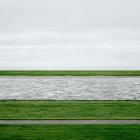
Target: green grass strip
{"type": "Point", "coordinates": [70, 110]}
{"type": "Point", "coordinates": [69, 132]}
{"type": "Point", "coordinates": [70, 73]}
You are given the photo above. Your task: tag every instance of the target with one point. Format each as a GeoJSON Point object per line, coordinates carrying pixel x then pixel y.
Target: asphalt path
{"type": "Point", "coordinates": [69, 121]}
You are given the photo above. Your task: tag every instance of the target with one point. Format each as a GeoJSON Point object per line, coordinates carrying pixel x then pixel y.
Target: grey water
{"type": "Point", "coordinates": [69, 88]}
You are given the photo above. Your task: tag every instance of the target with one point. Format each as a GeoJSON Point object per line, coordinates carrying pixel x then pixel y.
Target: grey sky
{"type": "Point", "coordinates": [70, 34]}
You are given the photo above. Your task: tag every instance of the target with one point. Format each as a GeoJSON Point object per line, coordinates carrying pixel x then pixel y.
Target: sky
{"type": "Point", "coordinates": [69, 35]}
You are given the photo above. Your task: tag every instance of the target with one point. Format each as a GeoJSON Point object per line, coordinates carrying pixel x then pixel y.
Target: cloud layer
{"type": "Point", "coordinates": [76, 34]}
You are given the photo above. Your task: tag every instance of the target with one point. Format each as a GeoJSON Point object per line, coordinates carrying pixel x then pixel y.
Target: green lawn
{"type": "Point", "coordinates": [72, 73]}
{"type": "Point", "coordinates": [70, 132]}
{"type": "Point", "coordinates": [70, 110]}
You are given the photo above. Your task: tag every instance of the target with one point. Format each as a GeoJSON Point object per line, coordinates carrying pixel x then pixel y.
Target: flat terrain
{"type": "Point", "coordinates": [71, 73]}
{"type": "Point", "coordinates": [72, 132]}
{"type": "Point", "coordinates": [70, 110]}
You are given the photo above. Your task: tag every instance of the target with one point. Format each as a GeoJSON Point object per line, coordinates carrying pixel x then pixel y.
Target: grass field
{"type": "Point", "coordinates": [70, 132]}
{"type": "Point", "coordinates": [70, 110]}
{"type": "Point", "coordinates": [71, 73]}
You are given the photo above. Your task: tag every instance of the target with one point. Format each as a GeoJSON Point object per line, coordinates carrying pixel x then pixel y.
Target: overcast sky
{"type": "Point", "coordinates": [70, 34]}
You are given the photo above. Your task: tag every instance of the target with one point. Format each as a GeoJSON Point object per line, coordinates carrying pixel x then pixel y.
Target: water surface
{"type": "Point", "coordinates": [69, 88]}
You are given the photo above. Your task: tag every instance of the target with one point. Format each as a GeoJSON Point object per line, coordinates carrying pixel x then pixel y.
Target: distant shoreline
{"type": "Point", "coordinates": [58, 77]}
{"type": "Point", "coordinates": [69, 73]}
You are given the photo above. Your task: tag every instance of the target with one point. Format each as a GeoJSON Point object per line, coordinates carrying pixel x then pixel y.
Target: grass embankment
{"type": "Point", "coordinates": [99, 110]}
{"type": "Point", "coordinates": [70, 73]}
{"type": "Point", "coordinates": [72, 132]}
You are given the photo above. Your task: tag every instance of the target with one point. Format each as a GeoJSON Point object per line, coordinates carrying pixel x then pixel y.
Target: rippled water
{"type": "Point", "coordinates": [69, 88]}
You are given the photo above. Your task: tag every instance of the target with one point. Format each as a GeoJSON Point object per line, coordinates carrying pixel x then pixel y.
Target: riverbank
{"type": "Point", "coordinates": [70, 73]}
{"type": "Point", "coordinates": [75, 120]}
{"type": "Point", "coordinates": [70, 110]}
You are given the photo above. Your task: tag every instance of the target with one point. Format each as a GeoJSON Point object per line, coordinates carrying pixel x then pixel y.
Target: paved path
{"type": "Point", "coordinates": [69, 121]}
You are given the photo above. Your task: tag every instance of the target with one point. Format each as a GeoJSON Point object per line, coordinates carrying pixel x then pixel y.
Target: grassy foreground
{"type": "Point", "coordinates": [71, 73]}
{"type": "Point", "coordinates": [70, 132]}
{"type": "Point", "coordinates": [70, 110]}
